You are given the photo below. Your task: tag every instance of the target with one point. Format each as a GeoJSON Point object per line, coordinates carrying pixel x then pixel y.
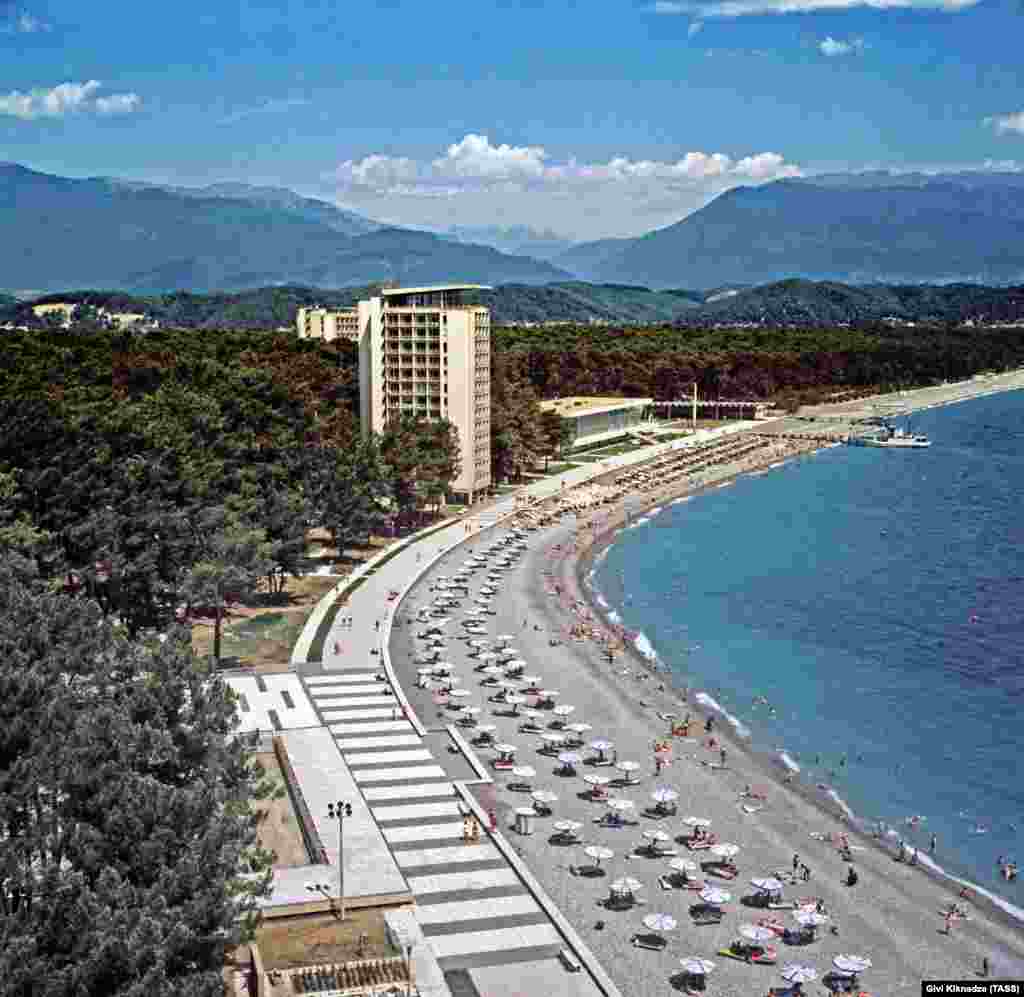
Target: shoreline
{"type": "Point", "coordinates": [776, 767]}
{"type": "Point", "coordinates": [893, 915]}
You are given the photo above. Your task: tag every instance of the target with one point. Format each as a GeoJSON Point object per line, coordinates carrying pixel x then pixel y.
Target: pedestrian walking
{"type": "Point", "coordinates": [796, 865]}
{"type": "Point", "coordinates": [805, 873]}
{"type": "Point", "coordinates": [933, 845]}
{"type": "Point", "coordinates": [721, 755]}
{"type": "Point", "coordinates": [376, 625]}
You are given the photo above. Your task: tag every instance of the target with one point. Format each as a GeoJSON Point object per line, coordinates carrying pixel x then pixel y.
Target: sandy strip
{"type": "Point", "coordinates": [892, 915]}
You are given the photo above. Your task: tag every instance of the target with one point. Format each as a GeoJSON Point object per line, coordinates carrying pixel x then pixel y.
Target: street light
{"type": "Point", "coordinates": [340, 810]}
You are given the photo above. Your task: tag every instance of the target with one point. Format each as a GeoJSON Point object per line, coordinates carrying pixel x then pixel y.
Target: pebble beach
{"type": "Point", "coordinates": [894, 913]}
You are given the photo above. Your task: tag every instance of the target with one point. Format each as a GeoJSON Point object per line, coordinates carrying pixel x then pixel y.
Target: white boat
{"type": "Point", "coordinates": [893, 439]}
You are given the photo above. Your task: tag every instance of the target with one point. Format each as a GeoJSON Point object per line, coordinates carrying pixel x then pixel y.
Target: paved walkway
{"type": "Point", "coordinates": [475, 910]}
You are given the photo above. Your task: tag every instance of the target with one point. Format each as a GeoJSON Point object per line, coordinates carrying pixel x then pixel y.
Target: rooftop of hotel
{"type": "Point", "coordinates": [590, 404]}
{"type": "Point", "coordinates": [388, 292]}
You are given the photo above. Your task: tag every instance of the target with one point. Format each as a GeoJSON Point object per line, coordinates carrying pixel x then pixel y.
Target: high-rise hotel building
{"type": "Point", "coordinates": [427, 350]}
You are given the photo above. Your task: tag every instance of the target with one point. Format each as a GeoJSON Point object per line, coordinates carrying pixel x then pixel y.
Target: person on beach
{"type": "Point", "coordinates": [796, 865]}
{"type": "Point", "coordinates": [721, 756]}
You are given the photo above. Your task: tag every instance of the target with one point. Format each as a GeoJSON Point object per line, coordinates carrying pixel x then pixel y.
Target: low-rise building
{"type": "Point", "coordinates": [328, 323]}
{"type": "Point", "coordinates": [592, 419]}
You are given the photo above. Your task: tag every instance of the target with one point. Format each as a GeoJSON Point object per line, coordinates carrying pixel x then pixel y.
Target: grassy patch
{"type": "Point", "coordinates": [279, 830]}
{"type": "Point", "coordinates": [321, 939]}
{"type": "Point", "coordinates": [260, 634]}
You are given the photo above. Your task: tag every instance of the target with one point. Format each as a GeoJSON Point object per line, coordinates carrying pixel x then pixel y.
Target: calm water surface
{"type": "Point", "coordinates": [876, 599]}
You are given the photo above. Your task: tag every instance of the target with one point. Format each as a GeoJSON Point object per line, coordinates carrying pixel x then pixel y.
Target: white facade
{"type": "Point", "coordinates": [328, 324]}
{"type": "Point", "coordinates": [422, 350]}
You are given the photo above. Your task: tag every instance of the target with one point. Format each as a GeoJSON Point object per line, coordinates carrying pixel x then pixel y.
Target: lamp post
{"type": "Point", "coordinates": [340, 810]}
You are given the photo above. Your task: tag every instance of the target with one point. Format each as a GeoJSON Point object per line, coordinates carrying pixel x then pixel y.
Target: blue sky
{"type": "Point", "coordinates": [606, 117]}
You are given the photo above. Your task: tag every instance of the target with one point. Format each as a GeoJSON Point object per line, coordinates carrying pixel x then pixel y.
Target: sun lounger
{"type": "Point", "coordinates": [653, 942]}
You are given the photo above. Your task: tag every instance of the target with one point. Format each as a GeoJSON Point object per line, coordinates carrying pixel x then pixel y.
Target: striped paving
{"type": "Point", "coordinates": [390, 741]}
{"type": "Point", "coordinates": [474, 909]}
{"type": "Point", "coordinates": [382, 793]}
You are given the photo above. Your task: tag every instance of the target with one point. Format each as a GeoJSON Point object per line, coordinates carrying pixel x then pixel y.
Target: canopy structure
{"type": "Point", "coordinates": [713, 895]}
{"type": "Point", "coordinates": [767, 884]}
{"type": "Point", "coordinates": [627, 884]}
{"type": "Point", "coordinates": [725, 850]}
{"type": "Point", "coordinates": [809, 918]}
{"type": "Point", "coordinates": [656, 834]}
{"type": "Point", "coordinates": [602, 745]}
{"type": "Point", "coordinates": [798, 973]}
{"type": "Point", "coordinates": [619, 805]}
{"type": "Point", "coordinates": [682, 865]}
{"type": "Point", "coordinates": [592, 779]}
{"type": "Point", "coordinates": [598, 853]}
{"type": "Point", "coordinates": [569, 758]}
{"type": "Point", "coordinates": [756, 933]}
{"type": "Point", "coordinates": [544, 796]}
{"type": "Point", "coordinates": [852, 963]}
{"type": "Point", "coordinates": [660, 922]}
{"type": "Point", "coordinates": [696, 966]}
{"type": "Point", "coordinates": [697, 821]}
{"type": "Point", "coordinates": [663, 794]}
{"type": "Point", "coordinates": [524, 772]}
{"type": "Point", "coordinates": [567, 826]}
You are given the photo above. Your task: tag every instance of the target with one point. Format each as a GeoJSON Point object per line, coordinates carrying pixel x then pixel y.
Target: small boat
{"type": "Point", "coordinates": [889, 438]}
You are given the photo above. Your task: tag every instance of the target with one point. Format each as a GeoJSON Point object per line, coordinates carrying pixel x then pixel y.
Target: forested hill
{"type": "Point", "coordinates": [785, 303]}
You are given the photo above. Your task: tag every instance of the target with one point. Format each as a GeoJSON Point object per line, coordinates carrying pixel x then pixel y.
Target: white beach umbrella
{"type": "Point", "coordinates": [660, 922]}
{"type": "Point", "coordinates": [756, 932]}
{"type": "Point", "coordinates": [579, 728]}
{"type": "Point", "coordinates": [656, 834]}
{"type": "Point", "coordinates": [628, 766]}
{"type": "Point", "coordinates": [524, 772]}
{"type": "Point", "coordinates": [505, 637]}
{"type": "Point", "coordinates": [443, 667]}
{"type": "Point", "coordinates": [425, 670]}
{"type": "Point", "coordinates": [626, 884]}
{"type": "Point", "coordinates": [529, 680]}
{"type": "Point", "coordinates": [852, 963]}
{"type": "Point", "coordinates": [506, 749]}
{"type": "Point", "coordinates": [663, 794]}
{"type": "Point", "coordinates": [768, 884]}
{"type": "Point", "coordinates": [481, 601]}
{"type": "Point", "coordinates": [508, 684]}
{"type": "Point", "coordinates": [682, 865]}
{"type": "Point", "coordinates": [460, 693]}
{"type": "Point", "coordinates": [544, 796]}
{"type": "Point", "coordinates": [620, 805]}
{"type": "Point", "coordinates": [550, 737]}
{"type": "Point", "coordinates": [797, 973]}
{"type": "Point", "coordinates": [488, 656]}
{"type": "Point", "coordinates": [713, 895]}
{"type": "Point", "coordinates": [602, 745]}
{"type": "Point", "coordinates": [486, 728]}
{"type": "Point", "coordinates": [696, 966]}
{"type": "Point", "coordinates": [596, 780]}
{"type": "Point", "coordinates": [549, 694]}
{"type": "Point", "coordinates": [725, 850]}
{"type": "Point", "coordinates": [493, 670]}
{"type": "Point", "coordinates": [564, 710]}
{"type": "Point", "coordinates": [514, 698]}
{"type": "Point", "coordinates": [570, 758]}
{"type": "Point", "coordinates": [516, 663]}
{"type": "Point", "coordinates": [469, 711]}
{"type": "Point", "coordinates": [697, 821]}
{"type": "Point", "coordinates": [532, 714]}
{"type": "Point", "coordinates": [598, 853]}
{"type": "Point", "coordinates": [568, 826]}
{"type": "Point", "coordinates": [474, 612]}
{"type": "Point", "coordinates": [809, 918]}
{"type": "Point", "coordinates": [508, 652]}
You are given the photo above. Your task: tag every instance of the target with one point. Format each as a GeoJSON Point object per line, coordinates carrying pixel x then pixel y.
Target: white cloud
{"type": "Point", "coordinates": [742, 8]}
{"type": "Point", "coordinates": [475, 181]}
{"type": "Point", "coordinates": [1006, 124]}
{"type": "Point", "coordinates": [64, 99]}
{"type": "Point", "coordinates": [474, 164]}
{"type": "Point", "coordinates": [833, 46]}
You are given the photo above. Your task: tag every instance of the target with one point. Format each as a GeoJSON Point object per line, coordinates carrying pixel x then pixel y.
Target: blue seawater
{"type": "Point", "coordinates": [875, 598]}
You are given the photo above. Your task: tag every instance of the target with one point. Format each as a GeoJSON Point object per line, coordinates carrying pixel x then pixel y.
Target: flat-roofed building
{"type": "Point", "coordinates": [427, 350]}
{"type": "Point", "coordinates": [328, 324]}
{"type": "Point", "coordinates": [593, 419]}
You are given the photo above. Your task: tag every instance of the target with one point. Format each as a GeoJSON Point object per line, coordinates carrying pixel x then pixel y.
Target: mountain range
{"type": "Point", "coordinates": [868, 228]}
{"type": "Point", "coordinates": [863, 228]}
{"type": "Point", "coordinates": [141, 237]}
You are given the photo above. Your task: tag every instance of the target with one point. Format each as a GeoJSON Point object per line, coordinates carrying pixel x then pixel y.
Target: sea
{"type": "Point", "coordinates": [858, 614]}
